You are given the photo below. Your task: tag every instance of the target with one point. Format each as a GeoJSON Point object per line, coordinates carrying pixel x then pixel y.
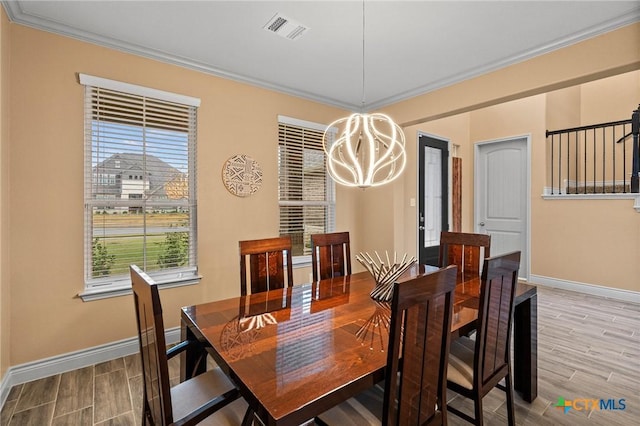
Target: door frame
{"type": "Point", "coordinates": [418, 177]}
{"type": "Point", "coordinates": [476, 189]}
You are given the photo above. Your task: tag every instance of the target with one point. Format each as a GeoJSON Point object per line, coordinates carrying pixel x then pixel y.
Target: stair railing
{"type": "Point", "coordinates": [586, 159]}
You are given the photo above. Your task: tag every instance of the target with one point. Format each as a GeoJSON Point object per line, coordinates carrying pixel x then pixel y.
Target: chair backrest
{"type": "Point", "coordinates": [266, 264]}
{"type": "Point", "coordinates": [330, 255]}
{"type": "Point", "coordinates": [463, 249]}
{"type": "Point", "coordinates": [493, 338]}
{"type": "Point", "coordinates": [419, 337]}
{"type": "Point", "coordinates": [153, 350]}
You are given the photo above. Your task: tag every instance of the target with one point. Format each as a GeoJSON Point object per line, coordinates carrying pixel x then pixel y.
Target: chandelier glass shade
{"type": "Point", "coordinates": [368, 150]}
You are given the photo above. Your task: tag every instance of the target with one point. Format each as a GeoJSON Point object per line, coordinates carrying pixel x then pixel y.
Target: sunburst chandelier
{"type": "Point", "coordinates": [369, 149]}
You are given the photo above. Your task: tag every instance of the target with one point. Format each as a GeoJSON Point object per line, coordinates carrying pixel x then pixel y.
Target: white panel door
{"type": "Point", "coordinates": [502, 196]}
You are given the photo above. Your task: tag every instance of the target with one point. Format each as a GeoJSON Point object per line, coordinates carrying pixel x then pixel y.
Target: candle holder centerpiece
{"type": "Point", "coordinates": [385, 274]}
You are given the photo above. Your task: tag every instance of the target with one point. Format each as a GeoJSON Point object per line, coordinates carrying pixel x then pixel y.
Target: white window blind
{"type": "Point", "coordinates": [305, 190]}
{"type": "Point", "coordinates": [140, 188]}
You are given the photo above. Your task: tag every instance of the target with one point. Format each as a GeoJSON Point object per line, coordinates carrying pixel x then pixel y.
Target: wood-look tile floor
{"type": "Point", "coordinates": [588, 348]}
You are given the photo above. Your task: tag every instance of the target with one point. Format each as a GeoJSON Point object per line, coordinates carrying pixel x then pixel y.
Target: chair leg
{"type": "Point", "coordinates": [511, 415]}
{"type": "Point", "coordinates": [145, 414]}
{"type": "Point", "coordinates": [248, 417]}
{"type": "Point", "coordinates": [320, 422]}
{"type": "Point", "coordinates": [477, 404]}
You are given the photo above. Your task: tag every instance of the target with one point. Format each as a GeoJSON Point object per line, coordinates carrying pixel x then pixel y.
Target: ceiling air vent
{"type": "Point", "coordinates": [285, 27]}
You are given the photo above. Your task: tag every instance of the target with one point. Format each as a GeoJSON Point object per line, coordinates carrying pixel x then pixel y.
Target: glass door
{"type": "Point", "coordinates": [433, 190]}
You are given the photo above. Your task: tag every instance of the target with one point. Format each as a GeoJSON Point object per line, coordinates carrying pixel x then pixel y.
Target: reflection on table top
{"type": "Point", "coordinates": [312, 339]}
{"type": "Point", "coordinates": [295, 350]}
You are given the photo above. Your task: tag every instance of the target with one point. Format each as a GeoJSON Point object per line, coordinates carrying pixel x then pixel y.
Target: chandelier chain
{"type": "Point", "coordinates": [363, 47]}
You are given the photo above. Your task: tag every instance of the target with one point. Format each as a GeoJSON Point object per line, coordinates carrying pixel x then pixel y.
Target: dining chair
{"type": "Point", "coordinates": [266, 264]}
{"type": "Point", "coordinates": [417, 358]}
{"type": "Point", "coordinates": [330, 255]}
{"type": "Point", "coordinates": [476, 367]}
{"type": "Point", "coordinates": [463, 249]}
{"type": "Point", "coordinates": [209, 396]}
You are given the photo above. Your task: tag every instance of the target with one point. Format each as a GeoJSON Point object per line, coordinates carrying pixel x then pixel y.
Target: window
{"type": "Point", "coordinates": [305, 190]}
{"type": "Point", "coordinates": [140, 188]}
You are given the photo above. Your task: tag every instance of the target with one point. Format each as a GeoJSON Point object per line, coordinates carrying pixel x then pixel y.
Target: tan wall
{"type": "Point", "coordinates": [524, 117]}
{"type": "Point", "coordinates": [563, 112]}
{"type": "Point", "coordinates": [602, 101]}
{"type": "Point", "coordinates": [570, 240]}
{"type": "Point", "coordinates": [609, 99]}
{"type": "Point", "coordinates": [456, 130]}
{"type": "Point", "coordinates": [610, 54]}
{"type": "Point", "coordinates": [588, 62]}
{"type": "Point", "coordinates": [46, 199]}
{"type": "Point", "coordinates": [46, 157]}
{"type": "Point", "coordinates": [594, 242]}
{"type": "Point", "coordinates": [5, 289]}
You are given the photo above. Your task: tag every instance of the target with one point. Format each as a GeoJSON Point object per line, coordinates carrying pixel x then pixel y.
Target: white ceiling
{"type": "Point", "coordinates": [410, 47]}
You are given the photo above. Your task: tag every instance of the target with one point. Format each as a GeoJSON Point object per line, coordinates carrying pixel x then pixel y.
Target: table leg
{"type": "Point", "coordinates": [525, 344]}
{"type": "Point", "coordinates": [194, 358]}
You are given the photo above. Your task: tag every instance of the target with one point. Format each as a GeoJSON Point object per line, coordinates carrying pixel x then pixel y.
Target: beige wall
{"type": "Point", "coordinates": [46, 175]}
{"type": "Point", "coordinates": [570, 239]}
{"type": "Point", "coordinates": [5, 289]}
{"type": "Point", "coordinates": [610, 54]}
{"type": "Point", "coordinates": [576, 239]}
{"type": "Point", "coordinates": [593, 242]}
{"type": "Point", "coordinates": [44, 147]}
{"type": "Point", "coordinates": [609, 99]}
{"type": "Point", "coordinates": [455, 129]}
{"type": "Point", "coordinates": [483, 108]}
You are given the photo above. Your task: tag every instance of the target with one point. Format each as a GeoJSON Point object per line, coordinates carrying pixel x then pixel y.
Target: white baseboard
{"type": "Point", "coordinates": [595, 290]}
{"type": "Point", "coordinates": [71, 361]}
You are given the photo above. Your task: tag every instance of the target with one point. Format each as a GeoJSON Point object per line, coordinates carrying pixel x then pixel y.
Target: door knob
{"type": "Point", "coordinates": [481, 224]}
{"type": "Point", "coordinates": [421, 228]}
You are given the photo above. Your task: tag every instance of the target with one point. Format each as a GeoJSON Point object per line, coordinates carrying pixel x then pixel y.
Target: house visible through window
{"type": "Point", "coordinates": [305, 190]}
{"type": "Point", "coordinates": [140, 188]}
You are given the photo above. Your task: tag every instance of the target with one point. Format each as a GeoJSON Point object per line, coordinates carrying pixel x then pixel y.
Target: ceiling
{"type": "Point", "coordinates": [410, 47]}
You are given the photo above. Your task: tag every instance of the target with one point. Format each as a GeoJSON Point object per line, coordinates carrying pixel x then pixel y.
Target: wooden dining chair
{"type": "Point", "coordinates": [417, 358]}
{"type": "Point", "coordinates": [266, 264]}
{"type": "Point", "coordinates": [210, 395]}
{"type": "Point", "coordinates": [330, 255]}
{"type": "Point", "coordinates": [463, 249]}
{"type": "Point", "coordinates": [476, 367]}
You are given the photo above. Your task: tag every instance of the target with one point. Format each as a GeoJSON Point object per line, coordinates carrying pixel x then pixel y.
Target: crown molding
{"type": "Point", "coordinates": [17, 15]}
{"type": "Point", "coordinates": [591, 32]}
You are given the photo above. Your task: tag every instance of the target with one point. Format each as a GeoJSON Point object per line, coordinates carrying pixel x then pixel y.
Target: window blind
{"type": "Point", "coordinates": [305, 191]}
{"type": "Point", "coordinates": [140, 188]}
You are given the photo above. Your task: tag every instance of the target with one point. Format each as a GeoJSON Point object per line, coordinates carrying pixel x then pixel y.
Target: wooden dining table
{"type": "Point", "coordinates": [298, 351]}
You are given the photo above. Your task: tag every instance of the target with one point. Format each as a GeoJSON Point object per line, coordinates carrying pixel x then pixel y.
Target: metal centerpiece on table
{"type": "Point", "coordinates": [385, 274]}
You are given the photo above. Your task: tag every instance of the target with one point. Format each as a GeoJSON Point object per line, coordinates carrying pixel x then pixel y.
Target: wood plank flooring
{"type": "Point", "coordinates": [588, 348]}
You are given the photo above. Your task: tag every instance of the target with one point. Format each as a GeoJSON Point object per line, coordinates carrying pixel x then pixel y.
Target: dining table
{"type": "Point", "coordinates": [298, 351]}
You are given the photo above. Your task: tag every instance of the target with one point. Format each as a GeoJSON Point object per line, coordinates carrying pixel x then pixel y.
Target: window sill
{"type": "Point", "coordinates": [116, 290]}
